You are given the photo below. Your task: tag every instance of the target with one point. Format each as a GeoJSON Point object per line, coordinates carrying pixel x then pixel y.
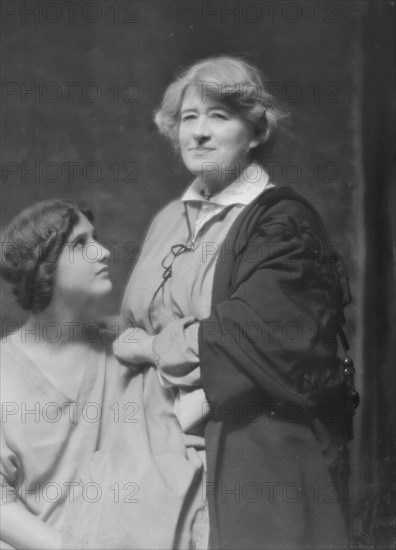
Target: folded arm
{"type": "Point", "coordinates": [24, 531]}
{"type": "Point", "coordinates": [174, 351]}
{"type": "Point", "coordinates": [276, 332]}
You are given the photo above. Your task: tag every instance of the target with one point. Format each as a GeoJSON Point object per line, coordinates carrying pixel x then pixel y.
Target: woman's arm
{"type": "Point", "coordinates": [24, 531]}
{"type": "Point", "coordinates": [276, 332]}
{"type": "Point", "coordinates": [174, 351]}
{"type": "Point", "coordinates": [134, 345]}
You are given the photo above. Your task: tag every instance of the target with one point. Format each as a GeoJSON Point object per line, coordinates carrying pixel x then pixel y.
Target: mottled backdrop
{"type": "Point", "coordinates": [83, 89]}
{"type": "Point", "coordinates": [80, 82]}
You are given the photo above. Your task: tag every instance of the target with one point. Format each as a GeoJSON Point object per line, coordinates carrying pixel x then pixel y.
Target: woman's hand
{"type": "Point", "coordinates": [134, 345]}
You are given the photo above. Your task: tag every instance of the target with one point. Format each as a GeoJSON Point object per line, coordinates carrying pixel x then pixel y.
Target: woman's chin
{"type": "Point", "coordinates": [196, 169]}
{"type": "Point", "coordinates": [99, 289]}
{"type": "Point", "coordinates": [107, 287]}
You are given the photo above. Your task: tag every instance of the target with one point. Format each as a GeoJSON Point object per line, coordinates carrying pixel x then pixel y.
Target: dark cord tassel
{"type": "Point", "coordinates": [353, 395]}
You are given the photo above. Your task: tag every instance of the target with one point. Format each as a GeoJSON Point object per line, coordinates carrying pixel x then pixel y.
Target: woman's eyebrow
{"type": "Point", "coordinates": [222, 108]}
{"type": "Point", "coordinates": [81, 235]}
{"type": "Point", "coordinates": [188, 110]}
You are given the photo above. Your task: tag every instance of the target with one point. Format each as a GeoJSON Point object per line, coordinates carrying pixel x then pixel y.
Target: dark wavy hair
{"type": "Point", "coordinates": [231, 80]}
{"type": "Point", "coordinates": [31, 245]}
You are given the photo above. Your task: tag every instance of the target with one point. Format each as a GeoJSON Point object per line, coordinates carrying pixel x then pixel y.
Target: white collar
{"type": "Point", "coordinates": [252, 181]}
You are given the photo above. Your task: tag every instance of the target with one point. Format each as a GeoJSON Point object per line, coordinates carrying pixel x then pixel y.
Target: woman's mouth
{"type": "Point", "coordinates": [104, 270]}
{"type": "Point", "coordinates": [202, 149]}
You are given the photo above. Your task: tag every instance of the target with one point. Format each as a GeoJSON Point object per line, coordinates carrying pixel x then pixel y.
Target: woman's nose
{"type": "Point", "coordinates": [104, 253]}
{"type": "Point", "coordinates": [201, 128]}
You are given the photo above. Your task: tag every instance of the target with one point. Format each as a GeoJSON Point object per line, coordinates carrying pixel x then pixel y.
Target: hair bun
{"type": "Point", "coordinates": [30, 248]}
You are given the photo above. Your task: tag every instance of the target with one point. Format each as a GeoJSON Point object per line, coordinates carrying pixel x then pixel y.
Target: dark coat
{"type": "Point", "coordinates": [279, 423]}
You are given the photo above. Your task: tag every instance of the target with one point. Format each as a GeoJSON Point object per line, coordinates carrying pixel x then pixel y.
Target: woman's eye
{"type": "Point", "coordinates": [222, 116]}
{"type": "Point", "coordinates": [186, 118]}
{"type": "Point", "coordinates": [79, 243]}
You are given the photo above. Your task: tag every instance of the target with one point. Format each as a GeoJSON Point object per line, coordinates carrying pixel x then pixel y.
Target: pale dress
{"type": "Point", "coordinates": [45, 435]}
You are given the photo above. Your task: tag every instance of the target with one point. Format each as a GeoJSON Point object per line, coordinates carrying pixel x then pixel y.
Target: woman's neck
{"type": "Point", "coordinates": [214, 183]}
{"type": "Point", "coordinates": [58, 327]}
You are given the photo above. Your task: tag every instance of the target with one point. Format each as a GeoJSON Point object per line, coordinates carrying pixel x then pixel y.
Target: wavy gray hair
{"type": "Point", "coordinates": [230, 80]}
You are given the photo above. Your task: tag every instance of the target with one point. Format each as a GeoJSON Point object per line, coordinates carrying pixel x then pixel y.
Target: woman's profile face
{"type": "Point", "coordinates": [82, 271]}
{"type": "Point", "coordinates": [214, 141]}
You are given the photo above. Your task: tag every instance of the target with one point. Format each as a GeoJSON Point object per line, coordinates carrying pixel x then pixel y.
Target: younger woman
{"type": "Point", "coordinates": [60, 384]}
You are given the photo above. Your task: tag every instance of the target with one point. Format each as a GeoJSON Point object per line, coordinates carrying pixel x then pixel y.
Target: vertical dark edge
{"type": "Point", "coordinates": [379, 396]}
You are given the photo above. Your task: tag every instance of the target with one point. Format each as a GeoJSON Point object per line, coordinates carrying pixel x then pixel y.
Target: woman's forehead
{"type": "Point", "coordinates": [82, 226]}
{"type": "Point", "coordinates": [199, 95]}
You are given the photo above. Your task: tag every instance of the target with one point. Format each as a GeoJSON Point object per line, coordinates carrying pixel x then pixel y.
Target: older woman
{"type": "Point", "coordinates": [58, 375]}
{"type": "Point", "coordinates": [237, 300]}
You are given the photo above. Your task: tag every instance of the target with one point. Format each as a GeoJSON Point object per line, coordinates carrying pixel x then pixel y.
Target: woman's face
{"type": "Point", "coordinates": [82, 272]}
{"type": "Point", "coordinates": [214, 141]}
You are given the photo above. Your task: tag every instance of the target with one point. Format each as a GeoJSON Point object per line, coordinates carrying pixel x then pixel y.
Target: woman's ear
{"type": "Point", "coordinates": [254, 143]}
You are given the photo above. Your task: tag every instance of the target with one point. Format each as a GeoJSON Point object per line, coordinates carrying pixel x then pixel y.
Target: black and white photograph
{"type": "Point", "coordinates": [197, 289]}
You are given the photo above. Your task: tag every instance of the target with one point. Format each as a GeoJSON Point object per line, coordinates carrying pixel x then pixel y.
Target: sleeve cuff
{"type": "Point", "coordinates": [176, 353]}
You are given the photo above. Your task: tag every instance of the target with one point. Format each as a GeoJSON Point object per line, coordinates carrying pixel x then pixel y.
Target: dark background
{"type": "Point", "coordinates": [80, 84]}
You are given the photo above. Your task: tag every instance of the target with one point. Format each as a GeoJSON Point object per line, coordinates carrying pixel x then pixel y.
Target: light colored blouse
{"type": "Point", "coordinates": [171, 311]}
